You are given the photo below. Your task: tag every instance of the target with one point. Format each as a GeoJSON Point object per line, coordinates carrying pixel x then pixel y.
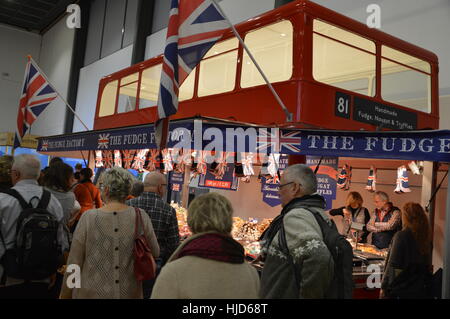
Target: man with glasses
{"type": "Point", "coordinates": [307, 254]}
{"type": "Point", "coordinates": [385, 221]}
{"type": "Point", "coordinates": [163, 216]}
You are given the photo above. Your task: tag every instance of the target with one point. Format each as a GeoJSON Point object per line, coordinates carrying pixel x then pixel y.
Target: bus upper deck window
{"type": "Point", "coordinates": [406, 80]}
{"type": "Point", "coordinates": [187, 88]}
{"type": "Point", "coordinates": [128, 93]}
{"type": "Point", "coordinates": [343, 59]}
{"type": "Point", "coordinates": [151, 78]}
{"type": "Point", "coordinates": [272, 48]}
{"type": "Point", "coordinates": [108, 102]}
{"type": "Point", "coordinates": [218, 68]}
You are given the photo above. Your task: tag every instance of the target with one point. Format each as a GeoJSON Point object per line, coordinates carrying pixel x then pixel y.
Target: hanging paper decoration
{"type": "Point", "coordinates": [416, 167]}
{"type": "Point", "coordinates": [372, 179]}
{"type": "Point", "coordinates": [247, 163]}
{"type": "Point", "coordinates": [117, 158]}
{"type": "Point", "coordinates": [274, 164]}
{"type": "Point", "coordinates": [139, 160]}
{"type": "Point", "coordinates": [152, 160]}
{"type": "Point", "coordinates": [128, 157]}
{"type": "Point", "coordinates": [98, 159]}
{"type": "Point", "coordinates": [201, 162]}
{"type": "Point", "coordinates": [221, 167]}
{"type": "Point", "coordinates": [167, 160]}
{"type": "Point", "coordinates": [402, 180]}
{"type": "Point", "coordinates": [344, 178]}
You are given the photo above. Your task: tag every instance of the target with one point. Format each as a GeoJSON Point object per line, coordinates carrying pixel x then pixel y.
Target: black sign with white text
{"type": "Point", "coordinates": [374, 113]}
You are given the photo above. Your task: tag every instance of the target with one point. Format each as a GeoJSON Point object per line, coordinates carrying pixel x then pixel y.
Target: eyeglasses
{"type": "Point", "coordinates": [282, 185]}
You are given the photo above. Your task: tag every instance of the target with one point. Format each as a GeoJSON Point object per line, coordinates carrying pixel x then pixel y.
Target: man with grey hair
{"type": "Point", "coordinates": [163, 217]}
{"type": "Point", "coordinates": [24, 174]}
{"type": "Point", "coordinates": [385, 221]}
{"type": "Point", "coordinates": [310, 257]}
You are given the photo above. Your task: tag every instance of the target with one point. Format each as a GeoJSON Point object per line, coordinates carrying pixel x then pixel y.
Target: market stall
{"type": "Point", "coordinates": [205, 151]}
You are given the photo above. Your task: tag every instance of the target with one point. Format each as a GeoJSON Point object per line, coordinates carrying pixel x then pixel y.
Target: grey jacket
{"type": "Point", "coordinates": [311, 255]}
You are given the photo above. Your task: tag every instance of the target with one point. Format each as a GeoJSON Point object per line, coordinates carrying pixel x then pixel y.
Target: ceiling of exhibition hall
{"type": "Point", "coordinates": [32, 15]}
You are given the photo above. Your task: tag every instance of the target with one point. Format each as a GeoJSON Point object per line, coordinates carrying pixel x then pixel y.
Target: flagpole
{"type": "Point", "coordinates": [275, 94]}
{"type": "Point", "coordinates": [64, 100]}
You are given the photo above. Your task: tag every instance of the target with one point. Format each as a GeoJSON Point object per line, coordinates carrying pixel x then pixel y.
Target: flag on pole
{"type": "Point", "coordinates": [36, 95]}
{"type": "Point", "coordinates": [194, 27]}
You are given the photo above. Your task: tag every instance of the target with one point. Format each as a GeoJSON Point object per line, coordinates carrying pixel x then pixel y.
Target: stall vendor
{"type": "Point", "coordinates": [385, 222]}
{"type": "Point", "coordinates": [353, 213]}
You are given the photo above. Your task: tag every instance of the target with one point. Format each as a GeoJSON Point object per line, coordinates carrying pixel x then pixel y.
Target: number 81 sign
{"type": "Point", "coordinates": [342, 105]}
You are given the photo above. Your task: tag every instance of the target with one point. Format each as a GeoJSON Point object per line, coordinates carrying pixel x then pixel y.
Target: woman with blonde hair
{"type": "Point", "coordinates": [103, 243]}
{"type": "Point", "coordinates": [353, 212]}
{"type": "Point", "coordinates": [209, 264]}
{"type": "Point", "coordinates": [408, 266]}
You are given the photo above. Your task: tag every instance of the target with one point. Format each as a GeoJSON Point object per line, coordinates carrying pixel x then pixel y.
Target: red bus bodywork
{"type": "Point", "coordinates": [311, 102]}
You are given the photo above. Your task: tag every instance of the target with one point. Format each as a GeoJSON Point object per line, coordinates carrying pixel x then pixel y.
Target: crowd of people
{"type": "Point", "coordinates": [94, 228]}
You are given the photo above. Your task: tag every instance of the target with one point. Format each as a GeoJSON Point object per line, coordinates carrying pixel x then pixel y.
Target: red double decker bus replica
{"type": "Point", "coordinates": [329, 70]}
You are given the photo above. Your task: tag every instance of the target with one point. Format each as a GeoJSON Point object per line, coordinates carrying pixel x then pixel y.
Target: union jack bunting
{"type": "Point", "coordinates": [117, 158]}
{"type": "Point", "coordinates": [167, 160]}
{"type": "Point", "coordinates": [152, 160]}
{"type": "Point", "coordinates": [194, 27]}
{"type": "Point", "coordinates": [108, 159]}
{"type": "Point", "coordinates": [139, 160]}
{"type": "Point", "coordinates": [98, 159]}
{"type": "Point", "coordinates": [128, 157]}
{"type": "Point", "coordinates": [36, 95]}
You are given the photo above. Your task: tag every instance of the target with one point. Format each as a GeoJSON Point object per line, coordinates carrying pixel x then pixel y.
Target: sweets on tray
{"type": "Point", "coordinates": [247, 232]}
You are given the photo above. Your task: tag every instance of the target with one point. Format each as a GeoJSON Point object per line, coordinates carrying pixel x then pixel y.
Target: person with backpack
{"type": "Point", "coordinates": [32, 239]}
{"type": "Point", "coordinates": [304, 255]}
{"type": "Point", "coordinates": [87, 194]}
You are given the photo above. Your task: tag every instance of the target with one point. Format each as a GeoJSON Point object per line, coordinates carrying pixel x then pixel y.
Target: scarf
{"type": "Point", "coordinates": [306, 201]}
{"type": "Point", "coordinates": [215, 246]}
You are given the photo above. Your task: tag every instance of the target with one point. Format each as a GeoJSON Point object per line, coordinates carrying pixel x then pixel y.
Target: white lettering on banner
{"type": "Point", "coordinates": [268, 195]}
{"type": "Point", "coordinates": [405, 144]}
{"type": "Point", "coordinates": [370, 143]}
{"type": "Point", "coordinates": [267, 188]}
{"type": "Point", "coordinates": [115, 140]}
{"type": "Point", "coordinates": [429, 148]}
{"type": "Point", "coordinates": [186, 140]}
{"type": "Point", "coordinates": [332, 143]}
{"type": "Point", "coordinates": [346, 141]}
{"type": "Point", "coordinates": [445, 143]}
{"type": "Point", "coordinates": [314, 139]}
{"type": "Point", "coordinates": [385, 140]}
{"type": "Point", "coordinates": [134, 139]}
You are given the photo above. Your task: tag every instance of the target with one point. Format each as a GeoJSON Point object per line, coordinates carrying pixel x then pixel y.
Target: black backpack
{"type": "Point", "coordinates": [36, 254]}
{"type": "Point", "coordinates": [341, 287]}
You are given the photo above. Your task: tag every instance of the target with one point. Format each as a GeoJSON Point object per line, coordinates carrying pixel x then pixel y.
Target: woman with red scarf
{"type": "Point", "coordinates": [209, 264]}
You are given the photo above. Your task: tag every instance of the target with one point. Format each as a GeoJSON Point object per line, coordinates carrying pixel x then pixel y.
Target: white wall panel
{"type": "Point", "coordinates": [14, 48]}
{"type": "Point", "coordinates": [55, 62]}
{"type": "Point", "coordinates": [88, 85]}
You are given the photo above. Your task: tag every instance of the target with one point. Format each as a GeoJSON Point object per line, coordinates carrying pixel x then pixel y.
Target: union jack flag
{"type": "Point", "coordinates": [276, 140]}
{"type": "Point", "coordinates": [37, 94]}
{"type": "Point", "coordinates": [194, 27]}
